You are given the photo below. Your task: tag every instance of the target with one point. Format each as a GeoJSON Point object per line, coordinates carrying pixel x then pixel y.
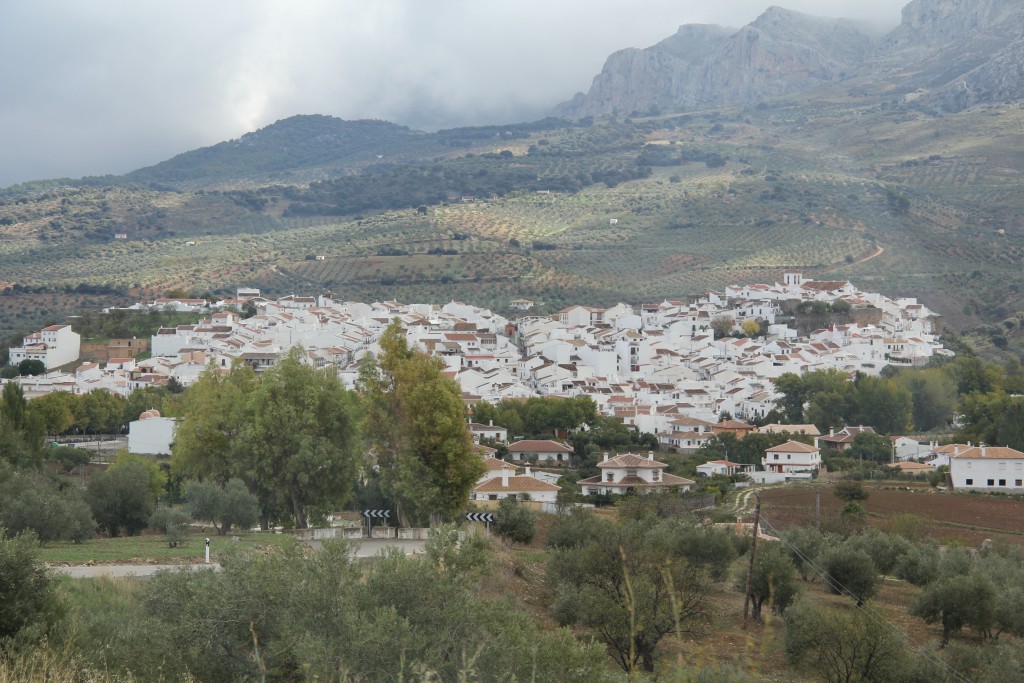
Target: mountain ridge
{"type": "Point", "coordinates": [965, 52]}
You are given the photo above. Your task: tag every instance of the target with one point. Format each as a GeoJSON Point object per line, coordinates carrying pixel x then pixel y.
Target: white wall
{"type": "Point", "coordinates": [152, 436]}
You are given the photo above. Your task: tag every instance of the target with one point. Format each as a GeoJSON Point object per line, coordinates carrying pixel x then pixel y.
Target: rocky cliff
{"type": "Point", "coordinates": [958, 52]}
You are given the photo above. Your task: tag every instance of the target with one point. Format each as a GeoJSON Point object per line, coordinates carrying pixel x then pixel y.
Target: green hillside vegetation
{"type": "Point", "coordinates": [894, 199]}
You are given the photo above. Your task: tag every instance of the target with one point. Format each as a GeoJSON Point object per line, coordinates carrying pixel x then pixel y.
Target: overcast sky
{"type": "Point", "coordinates": [108, 86]}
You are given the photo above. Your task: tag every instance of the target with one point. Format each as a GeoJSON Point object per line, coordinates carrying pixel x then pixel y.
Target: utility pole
{"type": "Point", "coordinates": [817, 508]}
{"type": "Point", "coordinates": [753, 549]}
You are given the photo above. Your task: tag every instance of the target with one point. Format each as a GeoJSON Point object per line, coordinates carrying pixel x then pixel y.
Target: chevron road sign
{"type": "Point", "coordinates": [480, 517]}
{"type": "Point", "coordinates": [377, 514]}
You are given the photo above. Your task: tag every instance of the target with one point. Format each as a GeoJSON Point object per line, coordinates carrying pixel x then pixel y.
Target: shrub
{"type": "Point", "coordinates": [516, 522]}
{"type": "Point", "coordinates": [33, 503]}
{"type": "Point", "coordinates": [28, 600]}
{"type": "Point", "coordinates": [171, 521]}
{"type": "Point", "coordinates": [121, 500]}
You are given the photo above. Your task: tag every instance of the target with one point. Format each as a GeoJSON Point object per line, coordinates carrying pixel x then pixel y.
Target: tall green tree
{"type": "Point", "coordinates": [207, 443]}
{"type": "Point", "coordinates": [301, 439]}
{"type": "Point", "coordinates": [414, 418]}
{"type": "Point", "coordinates": [932, 395]}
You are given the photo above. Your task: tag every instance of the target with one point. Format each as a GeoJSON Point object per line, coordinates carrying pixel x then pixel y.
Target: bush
{"type": "Point", "coordinates": [516, 522]}
{"type": "Point", "coordinates": [850, 572]}
{"type": "Point", "coordinates": [28, 600]}
{"type": "Point", "coordinates": [225, 507]}
{"type": "Point", "coordinates": [33, 503]}
{"type": "Point", "coordinates": [171, 521]}
{"type": "Point", "coordinates": [121, 500]}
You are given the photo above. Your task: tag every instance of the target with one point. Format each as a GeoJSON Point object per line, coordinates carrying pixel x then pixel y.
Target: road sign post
{"type": "Point", "coordinates": [371, 515]}
{"type": "Point", "coordinates": [207, 551]}
{"type": "Point", "coordinates": [485, 517]}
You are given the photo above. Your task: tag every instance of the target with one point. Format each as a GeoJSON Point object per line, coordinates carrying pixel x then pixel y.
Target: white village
{"type": "Point", "coordinates": [670, 369]}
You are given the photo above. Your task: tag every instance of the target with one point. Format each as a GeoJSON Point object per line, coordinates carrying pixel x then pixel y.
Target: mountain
{"type": "Point", "coordinates": [283, 150]}
{"type": "Point", "coordinates": [952, 53]}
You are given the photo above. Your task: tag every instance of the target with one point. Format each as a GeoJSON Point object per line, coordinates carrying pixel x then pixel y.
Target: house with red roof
{"type": "Point", "coordinates": [630, 472]}
{"type": "Point", "coordinates": [539, 451]}
{"type": "Point", "coordinates": [792, 456]}
{"type": "Point", "coordinates": [507, 484]}
{"type": "Point", "coordinates": [987, 468]}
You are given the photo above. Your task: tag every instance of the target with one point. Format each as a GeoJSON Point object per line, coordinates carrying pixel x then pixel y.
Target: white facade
{"type": "Point", "coordinates": [151, 435]}
{"type": "Point", "coordinates": [54, 346]}
{"type": "Point", "coordinates": [631, 472]}
{"type": "Point", "coordinates": [987, 468]}
{"type": "Point", "coordinates": [792, 456]}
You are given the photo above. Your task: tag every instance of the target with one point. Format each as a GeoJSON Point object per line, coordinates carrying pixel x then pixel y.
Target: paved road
{"type": "Point", "coordinates": [367, 548]}
{"type": "Point", "coordinates": [123, 570]}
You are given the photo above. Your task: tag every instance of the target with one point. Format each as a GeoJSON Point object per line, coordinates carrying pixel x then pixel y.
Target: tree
{"type": "Point", "coordinates": [31, 367]}
{"type": "Point", "coordinates": [805, 544]}
{"type": "Point", "coordinates": [207, 442]}
{"type": "Point", "coordinates": [850, 572]}
{"type": "Point", "coordinates": [301, 442]}
{"type": "Point", "coordinates": [227, 506]}
{"type": "Point", "coordinates": [171, 521]}
{"type": "Point", "coordinates": [629, 582]}
{"type": "Point", "coordinates": [100, 412]}
{"type": "Point", "coordinates": [28, 597]}
{"type": "Point", "coordinates": [29, 502]}
{"type": "Point", "coordinates": [932, 395]}
{"type": "Point", "coordinates": [13, 407]}
{"type": "Point", "coordinates": [849, 490]}
{"type": "Point", "coordinates": [870, 447]}
{"type": "Point", "coordinates": [842, 646]}
{"type": "Point", "coordinates": [722, 325]}
{"type": "Point", "coordinates": [881, 403]}
{"type": "Point", "coordinates": [157, 479]}
{"type": "Point", "coordinates": [774, 578]}
{"type": "Point", "coordinates": [57, 410]}
{"type": "Point", "coordinates": [121, 499]}
{"type": "Point", "coordinates": [515, 521]}
{"type": "Point", "coordinates": [414, 418]}
{"type": "Point", "coordinates": [957, 601]}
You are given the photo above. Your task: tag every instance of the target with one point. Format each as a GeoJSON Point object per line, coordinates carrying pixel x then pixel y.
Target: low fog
{"type": "Point", "coordinates": [113, 85]}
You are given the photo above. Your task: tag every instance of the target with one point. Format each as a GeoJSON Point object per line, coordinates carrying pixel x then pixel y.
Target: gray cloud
{"type": "Point", "coordinates": [113, 85]}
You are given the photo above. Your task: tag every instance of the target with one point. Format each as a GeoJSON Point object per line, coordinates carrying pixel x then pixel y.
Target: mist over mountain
{"type": "Point", "coordinates": [952, 54]}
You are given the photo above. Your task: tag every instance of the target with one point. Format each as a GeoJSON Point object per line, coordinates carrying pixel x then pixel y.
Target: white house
{"type": "Point", "coordinates": [987, 468]}
{"type": "Point", "coordinates": [631, 472]}
{"type": "Point", "coordinates": [151, 434]}
{"type": "Point", "coordinates": [791, 456]}
{"type": "Point", "coordinates": [724, 467]}
{"type": "Point", "coordinates": [54, 346]}
{"type": "Point", "coordinates": [479, 431]}
{"type": "Point", "coordinates": [540, 451]}
{"type": "Point", "coordinates": [509, 485]}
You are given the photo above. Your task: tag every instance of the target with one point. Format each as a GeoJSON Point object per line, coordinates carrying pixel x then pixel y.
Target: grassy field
{"type": "Point", "coordinates": [153, 549]}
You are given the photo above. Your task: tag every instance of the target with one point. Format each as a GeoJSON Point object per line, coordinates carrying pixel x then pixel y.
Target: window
{"type": "Point", "coordinates": [610, 477]}
{"type": "Point", "coordinates": [1019, 466]}
{"type": "Point", "coordinates": [1002, 482]}
{"type": "Point", "coordinates": [493, 496]}
{"type": "Point", "coordinates": [1019, 482]}
{"type": "Point", "coordinates": [969, 482]}
{"type": "Point", "coordinates": [1002, 467]}
{"type": "Point", "coordinates": [776, 456]}
{"type": "Point", "coordinates": [788, 456]}
{"type": "Point", "coordinates": [991, 482]}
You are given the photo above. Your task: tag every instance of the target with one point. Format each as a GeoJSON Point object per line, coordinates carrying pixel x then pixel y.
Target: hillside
{"type": "Point", "coordinates": [860, 179]}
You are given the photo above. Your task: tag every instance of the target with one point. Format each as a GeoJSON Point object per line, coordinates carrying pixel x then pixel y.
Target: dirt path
{"type": "Point", "coordinates": [878, 252]}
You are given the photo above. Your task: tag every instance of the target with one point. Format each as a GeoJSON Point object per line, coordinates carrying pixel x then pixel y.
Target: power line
{"type": "Point", "coordinates": [871, 613]}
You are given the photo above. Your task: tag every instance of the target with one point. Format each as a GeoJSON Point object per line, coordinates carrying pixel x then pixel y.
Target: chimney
{"type": "Point", "coordinates": [528, 473]}
{"type": "Point", "coordinates": [606, 457]}
{"type": "Point", "coordinates": [491, 423]}
{"type": "Point", "coordinates": [956, 449]}
{"type": "Point", "coordinates": [831, 431]}
{"type": "Point", "coordinates": [504, 477]}
{"type": "Point", "coordinates": [650, 455]}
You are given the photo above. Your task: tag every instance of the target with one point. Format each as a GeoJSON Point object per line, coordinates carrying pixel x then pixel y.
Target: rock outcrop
{"type": "Point", "coordinates": [957, 52]}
